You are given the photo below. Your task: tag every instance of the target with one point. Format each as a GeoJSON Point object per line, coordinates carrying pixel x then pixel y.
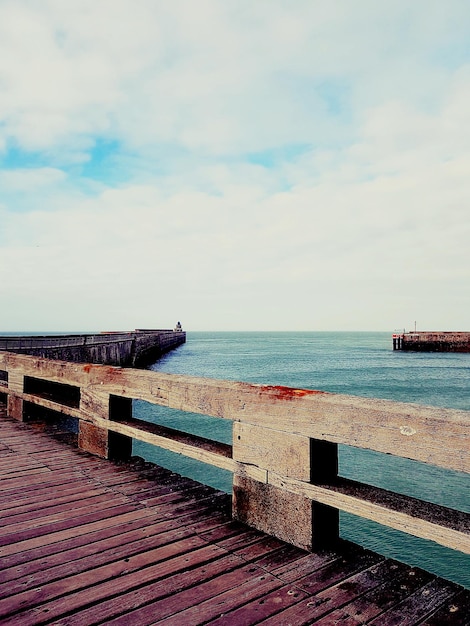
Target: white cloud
{"type": "Point", "coordinates": [220, 78]}
{"type": "Point", "coordinates": [354, 216]}
{"type": "Point", "coordinates": [27, 180]}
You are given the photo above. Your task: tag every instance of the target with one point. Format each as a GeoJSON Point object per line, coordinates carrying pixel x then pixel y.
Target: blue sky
{"type": "Point", "coordinates": [236, 165]}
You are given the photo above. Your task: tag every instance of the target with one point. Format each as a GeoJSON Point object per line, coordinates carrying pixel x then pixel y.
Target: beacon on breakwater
{"type": "Point", "coordinates": [432, 341]}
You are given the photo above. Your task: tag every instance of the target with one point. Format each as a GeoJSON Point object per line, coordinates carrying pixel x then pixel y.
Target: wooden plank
{"type": "Point", "coordinates": [47, 404]}
{"type": "Point", "coordinates": [376, 602]}
{"type": "Point", "coordinates": [231, 535]}
{"type": "Point", "coordinates": [41, 444]}
{"type": "Point", "coordinates": [47, 516]}
{"type": "Point", "coordinates": [206, 505]}
{"type": "Point", "coordinates": [445, 526]}
{"type": "Point", "coordinates": [306, 563]}
{"type": "Point", "coordinates": [455, 612]}
{"type": "Point", "coordinates": [258, 550]}
{"type": "Point", "coordinates": [329, 601]}
{"type": "Point", "coordinates": [64, 533]}
{"type": "Point", "coordinates": [294, 564]}
{"type": "Point", "coordinates": [352, 560]}
{"type": "Point", "coordinates": [424, 602]}
{"type": "Point", "coordinates": [83, 573]}
{"type": "Point", "coordinates": [103, 582]}
{"type": "Point", "coordinates": [428, 434]}
{"type": "Point", "coordinates": [206, 601]}
{"type": "Point", "coordinates": [57, 371]}
{"type": "Point", "coordinates": [76, 547]}
{"type": "Point", "coordinates": [35, 496]}
{"type": "Point", "coordinates": [195, 450]}
{"type": "Point", "coordinates": [33, 555]}
{"type": "Point", "coordinates": [24, 473]}
{"type": "Point", "coordinates": [14, 484]}
{"type": "Point", "coordinates": [15, 464]}
{"type": "Point", "coordinates": [110, 552]}
{"type": "Point", "coordinates": [22, 470]}
{"type": "Point", "coordinates": [174, 497]}
{"type": "Point", "coordinates": [145, 489]}
{"type": "Point", "coordinates": [273, 450]}
{"type": "Point", "coordinates": [63, 523]}
{"type": "Point", "coordinates": [255, 610]}
{"type": "Point", "coordinates": [203, 443]}
{"type": "Point", "coordinates": [39, 505]}
{"type": "Point", "coordinates": [382, 425]}
{"type": "Point", "coordinates": [15, 381]}
{"type": "Point", "coordinates": [135, 602]}
{"type": "Point", "coordinates": [149, 597]}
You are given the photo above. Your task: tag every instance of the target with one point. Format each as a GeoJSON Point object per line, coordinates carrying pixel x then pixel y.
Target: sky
{"type": "Point", "coordinates": [235, 165]}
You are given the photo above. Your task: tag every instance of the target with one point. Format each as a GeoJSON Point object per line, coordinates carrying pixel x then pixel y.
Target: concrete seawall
{"type": "Point", "coordinates": [125, 349]}
{"type": "Point", "coordinates": [432, 341]}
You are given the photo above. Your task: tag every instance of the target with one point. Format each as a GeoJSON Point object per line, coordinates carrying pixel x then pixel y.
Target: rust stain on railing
{"type": "Point", "coordinates": [288, 393]}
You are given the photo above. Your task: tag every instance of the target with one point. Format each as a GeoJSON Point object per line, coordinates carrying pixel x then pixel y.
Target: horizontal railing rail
{"type": "Point", "coordinates": [284, 449]}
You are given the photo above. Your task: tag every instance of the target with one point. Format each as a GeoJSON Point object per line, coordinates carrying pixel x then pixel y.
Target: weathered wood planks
{"type": "Point", "coordinates": [163, 549]}
{"type": "Point", "coordinates": [284, 452]}
{"type": "Point", "coordinates": [427, 434]}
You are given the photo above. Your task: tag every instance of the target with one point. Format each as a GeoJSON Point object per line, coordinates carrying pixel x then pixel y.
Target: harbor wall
{"type": "Point", "coordinates": [432, 341]}
{"type": "Point", "coordinates": [125, 349]}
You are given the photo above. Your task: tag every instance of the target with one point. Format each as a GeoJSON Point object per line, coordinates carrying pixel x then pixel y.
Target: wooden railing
{"type": "Point", "coordinates": [284, 452]}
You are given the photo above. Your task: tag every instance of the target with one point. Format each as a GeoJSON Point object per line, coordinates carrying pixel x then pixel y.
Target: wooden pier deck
{"type": "Point", "coordinates": [89, 541]}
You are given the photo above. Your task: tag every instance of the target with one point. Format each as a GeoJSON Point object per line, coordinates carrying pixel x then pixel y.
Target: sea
{"type": "Point", "coordinates": [355, 363]}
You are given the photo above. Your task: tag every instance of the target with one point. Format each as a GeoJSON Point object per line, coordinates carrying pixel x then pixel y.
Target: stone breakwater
{"type": "Point", "coordinates": [432, 341]}
{"type": "Point", "coordinates": [126, 349]}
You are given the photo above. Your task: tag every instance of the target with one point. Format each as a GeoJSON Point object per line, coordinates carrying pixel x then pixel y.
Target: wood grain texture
{"type": "Point", "coordinates": [87, 541]}
{"type": "Point", "coordinates": [275, 431]}
{"type": "Point", "coordinates": [445, 526]}
{"type": "Point", "coordinates": [272, 450]}
{"type": "Point", "coordinates": [428, 434]}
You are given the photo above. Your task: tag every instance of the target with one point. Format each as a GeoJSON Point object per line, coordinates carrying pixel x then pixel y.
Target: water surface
{"type": "Point", "coordinates": [361, 364]}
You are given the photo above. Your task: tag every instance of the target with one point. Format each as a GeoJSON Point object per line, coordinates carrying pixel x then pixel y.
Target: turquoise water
{"type": "Point", "coordinates": [361, 364]}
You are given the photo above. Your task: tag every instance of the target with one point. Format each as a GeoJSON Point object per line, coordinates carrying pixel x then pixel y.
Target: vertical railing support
{"type": "Point", "coordinates": [101, 441]}
{"type": "Point", "coordinates": [271, 509]}
{"type": "Point", "coordinates": [15, 402]}
{"type": "Point", "coordinates": [91, 438]}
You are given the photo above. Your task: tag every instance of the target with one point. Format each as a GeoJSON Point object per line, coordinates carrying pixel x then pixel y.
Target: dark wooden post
{"type": "Point", "coordinates": [272, 509]}
{"type": "Point", "coordinates": [119, 446]}
{"type": "Point", "coordinates": [324, 470]}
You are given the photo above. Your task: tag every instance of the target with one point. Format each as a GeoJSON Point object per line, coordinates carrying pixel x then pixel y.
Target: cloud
{"type": "Point", "coordinates": [246, 164]}
{"type": "Point", "coordinates": [27, 180]}
{"type": "Point", "coordinates": [221, 79]}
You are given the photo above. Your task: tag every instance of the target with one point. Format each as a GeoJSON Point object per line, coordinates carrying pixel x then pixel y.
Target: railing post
{"type": "Point", "coordinates": [324, 470]}
{"type": "Point", "coordinates": [271, 509]}
{"type": "Point", "coordinates": [14, 402]}
{"type": "Point", "coordinates": [101, 441]}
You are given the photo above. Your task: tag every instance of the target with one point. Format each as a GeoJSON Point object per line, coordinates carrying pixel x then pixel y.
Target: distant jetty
{"type": "Point", "coordinates": [137, 348]}
{"type": "Point", "coordinates": [432, 341]}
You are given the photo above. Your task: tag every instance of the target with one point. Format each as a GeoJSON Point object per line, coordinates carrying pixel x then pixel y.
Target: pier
{"type": "Point", "coordinates": [136, 348]}
{"type": "Point", "coordinates": [90, 535]}
{"type": "Point", "coordinates": [432, 341]}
